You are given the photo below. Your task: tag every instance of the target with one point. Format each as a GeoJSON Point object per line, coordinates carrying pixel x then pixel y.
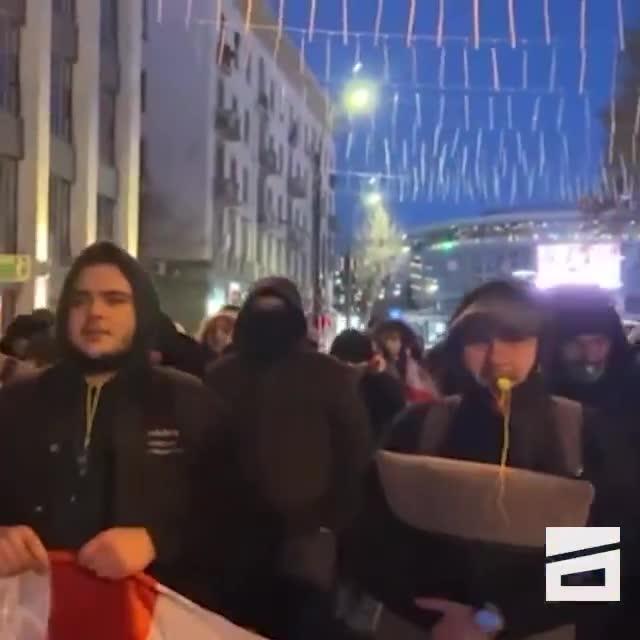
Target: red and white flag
{"type": "Point", "coordinates": [68, 603]}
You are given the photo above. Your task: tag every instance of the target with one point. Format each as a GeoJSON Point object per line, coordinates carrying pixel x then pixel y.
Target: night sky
{"type": "Point", "coordinates": [507, 157]}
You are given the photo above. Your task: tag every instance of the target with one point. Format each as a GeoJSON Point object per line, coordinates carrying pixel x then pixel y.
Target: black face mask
{"type": "Point", "coordinates": [267, 335]}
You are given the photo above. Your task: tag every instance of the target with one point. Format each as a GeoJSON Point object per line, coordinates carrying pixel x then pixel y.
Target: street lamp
{"type": "Point", "coordinates": [373, 198]}
{"type": "Point", "coordinates": [360, 97]}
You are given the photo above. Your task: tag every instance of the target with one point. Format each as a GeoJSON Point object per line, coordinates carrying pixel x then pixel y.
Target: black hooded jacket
{"type": "Point", "coordinates": [300, 431]}
{"type": "Point", "coordinates": [143, 464]}
{"type": "Point", "coordinates": [576, 311]}
{"type": "Point", "coordinates": [397, 563]}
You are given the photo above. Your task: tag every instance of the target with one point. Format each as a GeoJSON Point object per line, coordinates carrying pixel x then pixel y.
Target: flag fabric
{"type": "Point", "coordinates": [69, 603]}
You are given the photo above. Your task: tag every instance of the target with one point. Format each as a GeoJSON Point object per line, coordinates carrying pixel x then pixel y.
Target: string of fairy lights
{"type": "Point", "coordinates": [459, 117]}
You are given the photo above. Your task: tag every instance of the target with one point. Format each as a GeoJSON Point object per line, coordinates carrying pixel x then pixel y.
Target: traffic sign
{"type": "Point", "coordinates": [14, 267]}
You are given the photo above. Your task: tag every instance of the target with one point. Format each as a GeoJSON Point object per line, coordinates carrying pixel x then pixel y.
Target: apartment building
{"type": "Point", "coordinates": [69, 138]}
{"type": "Point", "coordinates": [233, 128]}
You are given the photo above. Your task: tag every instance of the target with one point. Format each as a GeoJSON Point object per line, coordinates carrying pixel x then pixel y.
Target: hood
{"type": "Point", "coordinates": [587, 310]}
{"type": "Point", "coordinates": [178, 350]}
{"type": "Point", "coordinates": [145, 299]}
{"type": "Point", "coordinates": [292, 327]}
{"type": "Point", "coordinates": [395, 326]}
{"type": "Point", "coordinates": [583, 310]}
{"type": "Point", "coordinates": [502, 307]}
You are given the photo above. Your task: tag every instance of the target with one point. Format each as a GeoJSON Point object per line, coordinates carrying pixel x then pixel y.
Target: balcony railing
{"type": "Point", "coordinates": [227, 191]}
{"type": "Point", "coordinates": [228, 124]}
{"type": "Point", "coordinates": [297, 187]}
{"type": "Point", "coordinates": [269, 161]}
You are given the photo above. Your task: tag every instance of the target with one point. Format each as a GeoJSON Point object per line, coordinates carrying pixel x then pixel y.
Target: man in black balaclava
{"type": "Point", "coordinates": [302, 444]}
{"type": "Point", "coordinates": [98, 454]}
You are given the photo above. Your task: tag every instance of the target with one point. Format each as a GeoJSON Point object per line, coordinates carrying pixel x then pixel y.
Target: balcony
{"type": "Point", "coordinates": [267, 216]}
{"type": "Point", "coordinates": [297, 187]}
{"type": "Point", "coordinates": [295, 237]}
{"type": "Point", "coordinates": [227, 192]}
{"type": "Point", "coordinates": [228, 124]}
{"type": "Point", "coordinates": [269, 161]}
{"type": "Point", "coordinates": [294, 134]}
{"type": "Point", "coordinates": [263, 101]}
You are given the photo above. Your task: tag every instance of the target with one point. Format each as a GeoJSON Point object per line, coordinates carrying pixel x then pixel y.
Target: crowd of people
{"type": "Point", "coordinates": [356, 494]}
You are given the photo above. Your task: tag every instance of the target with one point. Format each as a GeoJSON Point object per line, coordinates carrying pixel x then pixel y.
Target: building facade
{"type": "Point", "coordinates": [236, 145]}
{"type": "Point", "coordinates": [449, 259]}
{"type": "Point", "coordinates": [70, 74]}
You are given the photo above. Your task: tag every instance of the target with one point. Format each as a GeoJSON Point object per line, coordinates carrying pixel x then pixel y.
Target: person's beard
{"type": "Point", "coordinates": [101, 363]}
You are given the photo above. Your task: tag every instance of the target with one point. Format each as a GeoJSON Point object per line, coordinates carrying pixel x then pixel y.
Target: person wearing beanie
{"type": "Point", "coordinates": [101, 454]}
{"type": "Point", "coordinates": [302, 446]}
{"type": "Point", "coordinates": [488, 455]}
{"type": "Point", "coordinates": [382, 394]}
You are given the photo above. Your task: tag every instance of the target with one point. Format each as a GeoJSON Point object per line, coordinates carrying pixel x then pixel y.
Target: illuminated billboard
{"type": "Point", "coordinates": [581, 264]}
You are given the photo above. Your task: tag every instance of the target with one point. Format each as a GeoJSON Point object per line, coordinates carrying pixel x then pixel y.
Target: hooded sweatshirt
{"type": "Point", "coordinates": [76, 460]}
{"type": "Point", "coordinates": [398, 563]}
{"type": "Point", "coordinates": [301, 442]}
{"type": "Point", "coordinates": [583, 310]}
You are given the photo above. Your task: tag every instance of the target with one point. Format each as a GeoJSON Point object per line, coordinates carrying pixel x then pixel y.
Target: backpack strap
{"type": "Point", "coordinates": [436, 425]}
{"type": "Point", "coordinates": [568, 417]}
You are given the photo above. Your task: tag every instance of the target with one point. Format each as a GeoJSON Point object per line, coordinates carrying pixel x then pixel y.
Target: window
{"type": "Point", "coordinates": [220, 93]}
{"type": "Point", "coordinates": [145, 20]}
{"type": "Point", "coordinates": [269, 200]}
{"type": "Point", "coordinates": [234, 104]}
{"type": "Point", "coordinates": [245, 240]}
{"type": "Point", "coordinates": [106, 214]}
{"type": "Point", "coordinates": [59, 220]}
{"type": "Point", "coordinates": [8, 205]}
{"type": "Point", "coordinates": [262, 81]}
{"type": "Point", "coordinates": [248, 70]}
{"type": "Point", "coordinates": [233, 169]}
{"type": "Point", "coordinates": [9, 65]}
{"type": "Point", "coordinates": [64, 7]}
{"type": "Point", "coordinates": [108, 126]}
{"type": "Point", "coordinates": [143, 92]}
{"type": "Point", "coordinates": [280, 208]}
{"type": "Point", "coordinates": [61, 97]}
{"type": "Point", "coordinates": [272, 95]}
{"type": "Point", "coordinates": [143, 159]}
{"type": "Point", "coordinates": [109, 23]}
{"type": "Point", "coordinates": [247, 126]}
{"type": "Point", "coordinates": [245, 185]}
{"type": "Point", "coordinates": [280, 157]}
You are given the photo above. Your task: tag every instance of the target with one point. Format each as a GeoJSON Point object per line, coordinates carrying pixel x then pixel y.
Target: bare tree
{"type": "Point", "coordinates": [379, 247]}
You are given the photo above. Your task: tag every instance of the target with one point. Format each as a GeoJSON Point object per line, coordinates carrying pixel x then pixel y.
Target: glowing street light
{"type": "Point", "coordinates": [373, 198]}
{"type": "Point", "coordinates": [360, 97]}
